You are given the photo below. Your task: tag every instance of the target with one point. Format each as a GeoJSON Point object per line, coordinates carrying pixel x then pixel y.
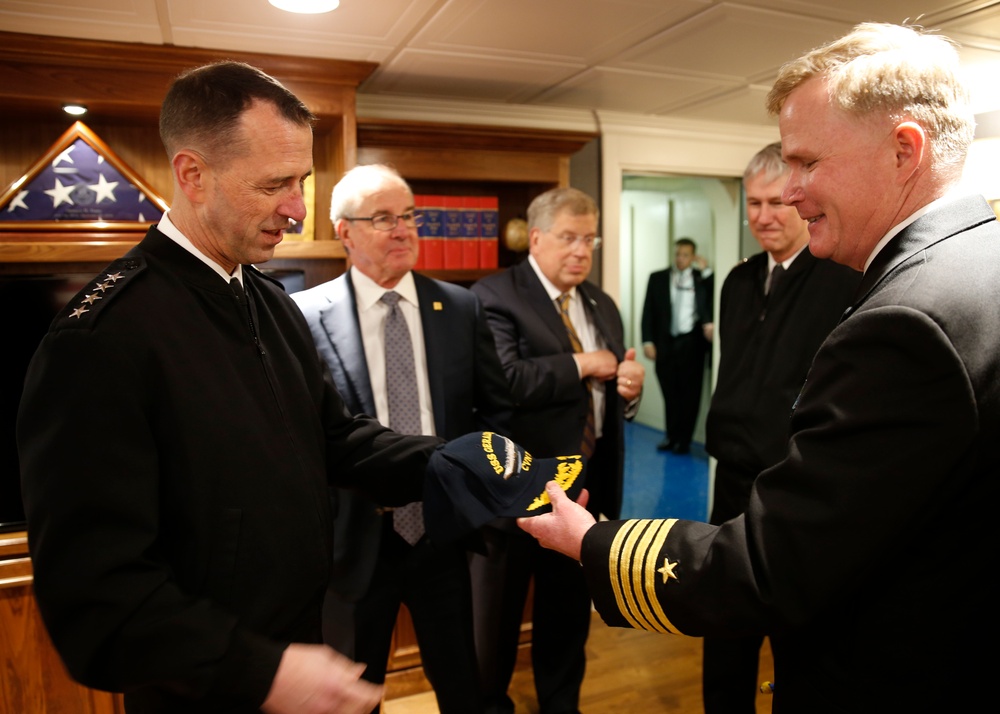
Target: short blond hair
{"type": "Point", "coordinates": [901, 72]}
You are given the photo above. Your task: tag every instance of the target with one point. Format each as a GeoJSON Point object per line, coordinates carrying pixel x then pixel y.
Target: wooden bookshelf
{"type": "Point", "coordinates": [514, 164]}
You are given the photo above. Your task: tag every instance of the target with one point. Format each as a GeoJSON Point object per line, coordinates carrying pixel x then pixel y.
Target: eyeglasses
{"type": "Point", "coordinates": [568, 240]}
{"type": "Point", "coordinates": [389, 221]}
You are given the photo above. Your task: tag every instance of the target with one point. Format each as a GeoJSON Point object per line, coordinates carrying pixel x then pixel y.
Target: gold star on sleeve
{"type": "Point", "coordinates": [667, 571]}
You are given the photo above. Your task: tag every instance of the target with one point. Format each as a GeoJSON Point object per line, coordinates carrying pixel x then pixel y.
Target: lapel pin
{"type": "Point", "coordinates": [438, 306]}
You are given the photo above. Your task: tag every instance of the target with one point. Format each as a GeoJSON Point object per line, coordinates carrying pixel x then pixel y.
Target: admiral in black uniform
{"type": "Point", "coordinates": [178, 432]}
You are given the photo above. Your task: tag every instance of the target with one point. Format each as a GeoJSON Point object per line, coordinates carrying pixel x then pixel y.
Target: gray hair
{"type": "Point", "coordinates": [356, 184]}
{"type": "Point", "coordinates": [767, 163]}
{"type": "Point", "coordinates": [543, 210]}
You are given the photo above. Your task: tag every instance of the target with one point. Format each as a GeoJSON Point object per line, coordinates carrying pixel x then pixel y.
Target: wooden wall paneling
{"type": "Point", "coordinates": [32, 677]}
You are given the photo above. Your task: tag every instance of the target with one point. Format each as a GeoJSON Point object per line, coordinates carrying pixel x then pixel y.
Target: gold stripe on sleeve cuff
{"type": "Point", "coordinates": [632, 568]}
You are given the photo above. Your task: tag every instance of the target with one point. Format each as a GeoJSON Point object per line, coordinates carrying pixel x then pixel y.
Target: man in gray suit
{"type": "Point", "coordinates": [460, 387]}
{"type": "Point", "coordinates": [864, 554]}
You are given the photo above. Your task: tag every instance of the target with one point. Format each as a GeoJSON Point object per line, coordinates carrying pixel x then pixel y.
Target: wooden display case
{"type": "Point", "coordinates": [514, 164]}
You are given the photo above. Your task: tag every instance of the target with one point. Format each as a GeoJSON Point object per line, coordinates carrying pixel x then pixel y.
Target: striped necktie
{"type": "Point", "coordinates": [589, 431]}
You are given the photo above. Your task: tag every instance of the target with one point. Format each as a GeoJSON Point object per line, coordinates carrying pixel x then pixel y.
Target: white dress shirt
{"type": "Point", "coordinates": [590, 338]}
{"type": "Point", "coordinates": [372, 313]}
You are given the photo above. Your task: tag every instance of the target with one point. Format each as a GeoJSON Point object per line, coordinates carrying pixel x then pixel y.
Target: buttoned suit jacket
{"type": "Point", "coordinates": [467, 386]}
{"type": "Point", "coordinates": [767, 343]}
{"type": "Point", "coordinates": [862, 553]}
{"type": "Point", "coordinates": [550, 399]}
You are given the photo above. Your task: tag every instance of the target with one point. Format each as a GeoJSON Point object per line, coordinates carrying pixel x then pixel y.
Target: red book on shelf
{"type": "Point", "coordinates": [432, 236]}
{"type": "Point", "coordinates": [452, 231]}
{"type": "Point", "coordinates": [489, 222]}
{"type": "Point", "coordinates": [418, 203]}
{"type": "Point", "coordinates": [470, 231]}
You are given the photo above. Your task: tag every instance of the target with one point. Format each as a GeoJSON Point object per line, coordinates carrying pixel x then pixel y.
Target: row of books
{"type": "Point", "coordinates": [459, 232]}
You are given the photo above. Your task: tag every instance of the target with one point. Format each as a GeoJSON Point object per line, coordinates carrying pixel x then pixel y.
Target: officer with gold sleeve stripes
{"type": "Point", "coordinates": [864, 554]}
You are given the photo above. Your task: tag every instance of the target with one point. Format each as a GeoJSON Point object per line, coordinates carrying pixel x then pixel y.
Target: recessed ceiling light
{"type": "Point", "coordinates": [306, 7]}
{"type": "Point", "coordinates": [75, 109]}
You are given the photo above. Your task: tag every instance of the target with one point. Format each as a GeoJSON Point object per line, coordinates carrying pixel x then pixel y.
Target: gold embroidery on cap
{"type": "Point", "coordinates": [566, 474]}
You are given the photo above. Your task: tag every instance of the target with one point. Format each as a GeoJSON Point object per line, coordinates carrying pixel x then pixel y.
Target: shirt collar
{"type": "Point", "coordinates": [934, 205]}
{"type": "Point", "coordinates": [367, 292]}
{"type": "Point", "coordinates": [167, 228]}
{"type": "Point", "coordinates": [551, 289]}
{"type": "Point", "coordinates": [771, 262]}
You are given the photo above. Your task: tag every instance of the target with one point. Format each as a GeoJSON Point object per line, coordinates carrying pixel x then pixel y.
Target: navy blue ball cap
{"type": "Point", "coordinates": [481, 476]}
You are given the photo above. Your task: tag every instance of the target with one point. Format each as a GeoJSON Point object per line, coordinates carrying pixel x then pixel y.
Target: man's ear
{"type": "Point", "coordinates": [190, 173]}
{"type": "Point", "coordinates": [533, 236]}
{"type": "Point", "coordinates": [910, 145]}
{"type": "Point", "coordinates": [343, 230]}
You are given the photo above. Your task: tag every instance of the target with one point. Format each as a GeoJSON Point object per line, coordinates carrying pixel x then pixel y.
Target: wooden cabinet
{"type": "Point", "coordinates": [32, 678]}
{"type": "Point", "coordinates": [123, 85]}
{"type": "Point", "coordinates": [514, 164]}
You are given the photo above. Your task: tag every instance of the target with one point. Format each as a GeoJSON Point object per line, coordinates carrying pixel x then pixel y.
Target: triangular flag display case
{"type": "Point", "coordinates": [80, 184]}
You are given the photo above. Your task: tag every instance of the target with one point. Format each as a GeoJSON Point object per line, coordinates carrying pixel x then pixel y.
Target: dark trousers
{"type": "Point", "coordinates": [680, 368]}
{"type": "Point", "coordinates": [730, 665]}
{"type": "Point", "coordinates": [729, 674]}
{"type": "Point", "coordinates": [433, 582]}
{"type": "Point", "coordinates": [560, 620]}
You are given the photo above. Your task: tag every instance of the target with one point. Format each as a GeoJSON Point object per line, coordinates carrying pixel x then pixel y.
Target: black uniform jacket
{"type": "Point", "coordinates": [175, 461]}
{"type": "Point", "coordinates": [768, 343]}
{"type": "Point", "coordinates": [468, 393]}
{"type": "Point", "coordinates": [867, 553]}
{"type": "Point", "coordinates": [550, 399]}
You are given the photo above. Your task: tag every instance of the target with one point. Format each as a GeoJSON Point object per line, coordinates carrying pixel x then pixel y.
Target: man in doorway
{"type": "Point", "coordinates": [776, 309]}
{"type": "Point", "coordinates": [676, 334]}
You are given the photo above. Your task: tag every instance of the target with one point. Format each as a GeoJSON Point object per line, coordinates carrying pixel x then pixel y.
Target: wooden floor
{"type": "Point", "coordinates": [649, 671]}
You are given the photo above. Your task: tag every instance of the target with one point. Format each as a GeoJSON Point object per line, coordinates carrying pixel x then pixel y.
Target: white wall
{"type": "Point", "coordinates": [655, 212]}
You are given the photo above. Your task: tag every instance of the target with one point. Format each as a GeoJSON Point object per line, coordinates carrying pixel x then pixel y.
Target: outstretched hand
{"type": "Point", "coordinates": [314, 679]}
{"type": "Point", "coordinates": [563, 529]}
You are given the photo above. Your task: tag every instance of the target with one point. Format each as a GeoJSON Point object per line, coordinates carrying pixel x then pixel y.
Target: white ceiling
{"type": "Point", "coordinates": [689, 59]}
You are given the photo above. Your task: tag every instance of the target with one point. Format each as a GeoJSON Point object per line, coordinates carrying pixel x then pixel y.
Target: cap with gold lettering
{"type": "Point", "coordinates": [481, 476]}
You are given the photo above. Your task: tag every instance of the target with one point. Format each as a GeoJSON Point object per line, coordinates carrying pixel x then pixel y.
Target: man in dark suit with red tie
{"type": "Point", "coordinates": [560, 340]}
{"type": "Point", "coordinates": [448, 383]}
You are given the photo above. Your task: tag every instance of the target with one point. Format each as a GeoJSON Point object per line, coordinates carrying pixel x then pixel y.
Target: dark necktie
{"type": "Point", "coordinates": [776, 274]}
{"type": "Point", "coordinates": [241, 298]}
{"type": "Point", "coordinates": [589, 430]}
{"type": "Point", "coordinates": [404, 403]}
